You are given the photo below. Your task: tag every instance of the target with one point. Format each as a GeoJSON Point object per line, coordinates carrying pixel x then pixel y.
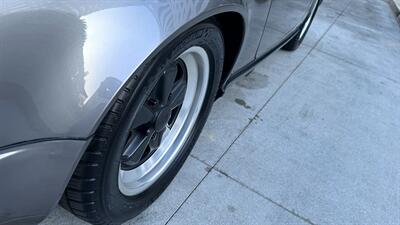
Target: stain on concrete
{"type": "Point", "coordinates": [306, 112]}
{"type": "Point", "coordinates": [253, 80]}
{"type": "Point", "coordinates": [255, 119]}
{"type": "Point", "coordinates": [242, 103]}
{"type": "Point", "coordinates": [208, 169]}
{"type": "Point", "coordinates": [210, 136]}
{"type": "Point", "coordinates": [231, 209]}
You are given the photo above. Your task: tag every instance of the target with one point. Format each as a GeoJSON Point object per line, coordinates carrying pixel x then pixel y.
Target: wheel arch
{"type": "Point", "coordinates": [233, 40]}
{"type": "Point", "coordinates": [233, 37]}
{"type": "Point", "coordinates": [69, 94]}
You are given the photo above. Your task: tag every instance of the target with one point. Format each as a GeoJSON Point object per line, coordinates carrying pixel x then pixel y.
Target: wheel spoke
{"type": "Point", "coordinates": [156, 140]}
{"type": "Point", "coordinates": [136, 148]}
{"type": "Point", "coordinates": [166, 84]}
{"type": "Point", "coordinates": [177, 94]}
{"type": "Point", "coordinates": [145, 115]}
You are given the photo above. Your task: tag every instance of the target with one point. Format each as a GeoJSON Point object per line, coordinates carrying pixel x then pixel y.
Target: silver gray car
{"type": "Point", "coordinates": [102, 101]}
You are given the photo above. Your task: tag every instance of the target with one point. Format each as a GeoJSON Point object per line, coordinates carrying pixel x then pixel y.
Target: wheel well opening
{"type": "Point", "coordinates": [232, 28]}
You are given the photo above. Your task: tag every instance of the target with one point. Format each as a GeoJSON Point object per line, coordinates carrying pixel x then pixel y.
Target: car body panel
{"type": "Point", "coordinates": [33, 178]}
{"type": "Point", "coordinates": [284, 17]}
{"type": "Point", "coordinates": [62, 64]}
{"type": "Point", "coordinates": [257, 13]}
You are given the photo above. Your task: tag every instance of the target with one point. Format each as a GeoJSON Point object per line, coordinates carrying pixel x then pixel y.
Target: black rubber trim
{"type": "Point", "coordinates": [249, 66]}
{"type": "Point", "coordinates": [39, 140]}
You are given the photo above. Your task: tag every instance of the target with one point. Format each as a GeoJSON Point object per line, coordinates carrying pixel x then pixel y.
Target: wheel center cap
{"type": "Point", "coordinates": [162, 119]}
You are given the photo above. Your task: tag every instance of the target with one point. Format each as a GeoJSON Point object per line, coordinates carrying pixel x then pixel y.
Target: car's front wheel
{"type": "Point", "coordinates": [149, 131]}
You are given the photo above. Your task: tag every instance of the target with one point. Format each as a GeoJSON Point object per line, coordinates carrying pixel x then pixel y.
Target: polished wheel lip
{"type": "Point", "coordinates": [137, 180]}
{"type": "Point", "coordinates": [308, 21]}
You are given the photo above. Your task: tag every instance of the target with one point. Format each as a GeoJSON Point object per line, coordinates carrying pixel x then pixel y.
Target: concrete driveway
{"type": "Point", "coordinates": [310, 137]}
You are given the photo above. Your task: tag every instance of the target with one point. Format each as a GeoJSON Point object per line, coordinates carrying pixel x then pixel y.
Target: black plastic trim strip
{"type": "Point", "coordinates": [35, 141]}
{"type": "Point", "coordinates": [253, 63]}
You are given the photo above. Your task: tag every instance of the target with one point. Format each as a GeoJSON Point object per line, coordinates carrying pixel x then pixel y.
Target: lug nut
{"type": "Point", "coordinates": [152, 101]}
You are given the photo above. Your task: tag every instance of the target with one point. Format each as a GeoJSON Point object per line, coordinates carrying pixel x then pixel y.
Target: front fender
{"type": "Point", "coordinates": [61, 64]}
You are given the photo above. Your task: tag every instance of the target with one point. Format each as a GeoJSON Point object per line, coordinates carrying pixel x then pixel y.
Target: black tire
{"type": "Point", "coordinates": [92, 193]}
{"type": "Point", "coordinates": [297, 39]}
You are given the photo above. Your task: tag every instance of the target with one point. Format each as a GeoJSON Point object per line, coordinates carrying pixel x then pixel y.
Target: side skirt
{"type": "Point", "coordinates": [248, 68]}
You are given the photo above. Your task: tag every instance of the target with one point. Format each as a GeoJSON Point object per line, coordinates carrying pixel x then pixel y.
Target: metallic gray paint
{"type": "Point", "coordinates": [33, 178]}
{"type": "Point", "coordinates": [277, 28]}
{"type": "Point", "coordinates": [62, 63]}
